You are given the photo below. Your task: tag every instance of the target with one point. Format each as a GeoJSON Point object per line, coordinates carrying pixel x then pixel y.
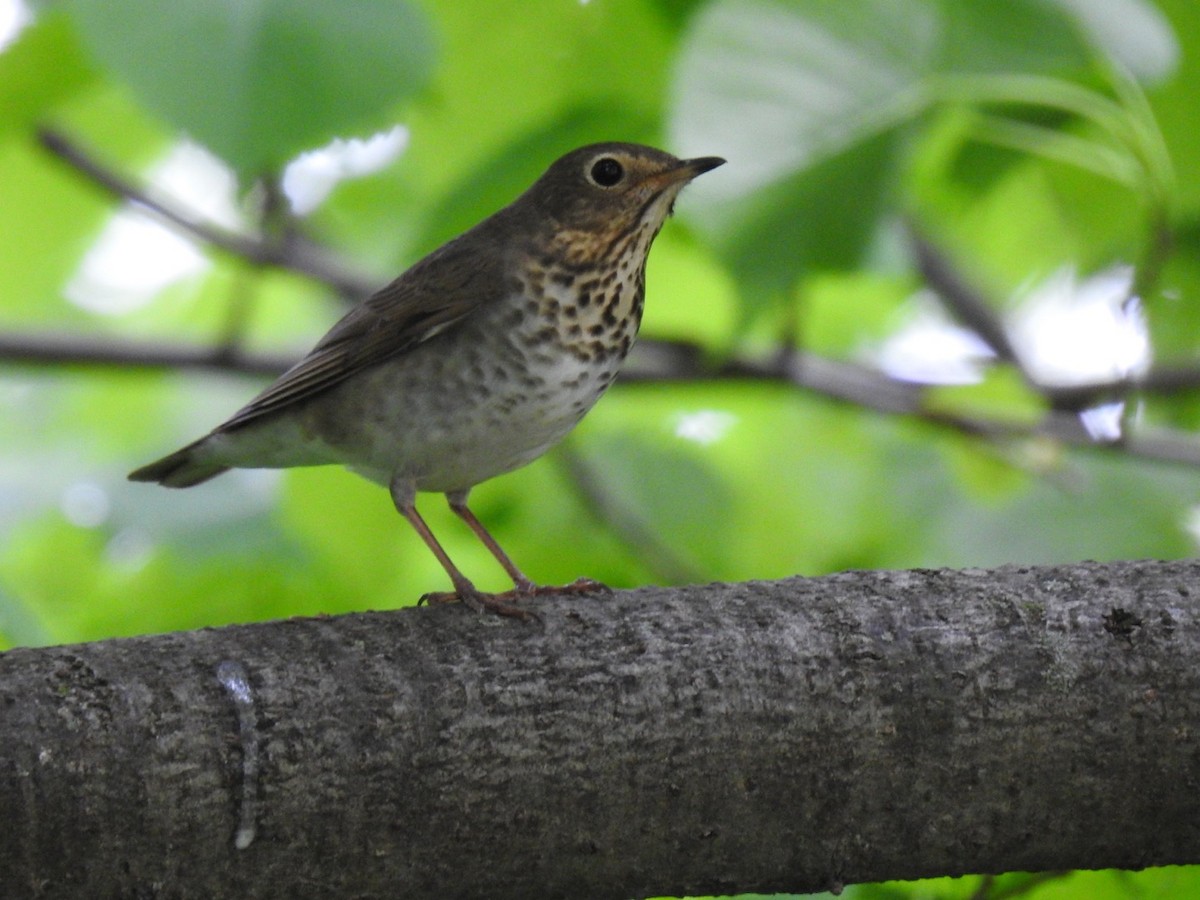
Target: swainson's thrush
{"type": "Point", "coordinates": [475, 361]}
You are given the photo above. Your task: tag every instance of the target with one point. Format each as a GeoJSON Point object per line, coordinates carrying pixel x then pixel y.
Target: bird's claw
{"type": "Point", "coordinates": [438, 597]}
{"type": "Point", "coordinates": [481, 602]}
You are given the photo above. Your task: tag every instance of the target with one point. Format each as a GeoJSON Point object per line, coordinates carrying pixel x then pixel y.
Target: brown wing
{"type": "Point", "coordinates": [432, 296]}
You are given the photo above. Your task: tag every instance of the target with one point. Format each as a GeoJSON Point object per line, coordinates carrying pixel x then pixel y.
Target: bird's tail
{"type": "Point", "coordinates": [183, 468]}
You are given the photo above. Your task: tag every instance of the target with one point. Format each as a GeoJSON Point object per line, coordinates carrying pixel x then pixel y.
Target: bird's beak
{"type": "Point", "coordinates": [698, 166]}
{"type": "Point", "coordinates": [685, 171]}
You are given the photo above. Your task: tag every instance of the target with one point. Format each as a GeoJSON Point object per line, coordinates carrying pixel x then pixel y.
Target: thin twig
{"type": "Point", "coordinates": [870, 389]}
{"type": "Point", "coordinates": [121, 353]}
{"type": "Point", "coordinates": [293, 253]}
{"type": "Point", "coordinates": [626, 523]}
{"type": "Point", "coordinates": [659, 362]}
{"type": "Point", "coordinates": [653, 361]}
{"type": "Point", "coordinates": [974, 310]}
{"type": "Point", "coordinates": [966, 303]}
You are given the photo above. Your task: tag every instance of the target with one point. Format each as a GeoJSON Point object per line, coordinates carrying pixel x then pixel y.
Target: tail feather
{"type": "Point", "coordinates": [183, 468]}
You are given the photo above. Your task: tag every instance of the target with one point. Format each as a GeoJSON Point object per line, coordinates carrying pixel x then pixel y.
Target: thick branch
{"type": "Point", "coordinates": [753, 737]}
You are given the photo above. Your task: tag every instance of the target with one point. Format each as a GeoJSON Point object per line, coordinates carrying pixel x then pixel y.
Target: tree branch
{"type": "Point", "coordinates": [293, 253]}
{"type": "Point", "coordinates": [975, 311]}
{"type": "Point", "coordinates": [767, 736]}
{"type": "Point", "coordinates": [122, 353]}
{"type": "Point", "coordinates": [624, 521]}
{"type": "Point", "coordinates": [653, 361]}
{"type": "Point", "coordinates": [656, 362]}
{"type": "Point", "coordinates": [961, 298]}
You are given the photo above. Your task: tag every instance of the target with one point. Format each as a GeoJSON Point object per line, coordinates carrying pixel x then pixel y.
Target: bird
{"type": "Point", "coordinates": [476, 360]}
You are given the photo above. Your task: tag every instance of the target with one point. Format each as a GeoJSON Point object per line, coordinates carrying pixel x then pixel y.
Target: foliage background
{"type": "Point", "coordinates": [1039, 146]}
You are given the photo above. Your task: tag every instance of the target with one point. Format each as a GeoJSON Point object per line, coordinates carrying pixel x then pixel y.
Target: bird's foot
{"type": "Point", "coordinates": [438, 597]}
{"type": "Point", "coordinates": [481, 602]}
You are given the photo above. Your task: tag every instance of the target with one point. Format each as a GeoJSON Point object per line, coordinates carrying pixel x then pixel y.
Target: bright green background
{"type": "Point", "coordinates": [1023, 136]}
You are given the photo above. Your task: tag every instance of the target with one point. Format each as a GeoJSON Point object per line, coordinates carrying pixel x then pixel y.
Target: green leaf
{"type": "Point", "coordinates": [40, 70]}
{"type": "Point", "coordinates": [1133, 33]}
{"type": "Point", "coordinates": [802, 99]}
{"type": "Point", "coordinates": [1001, 395]}
{"type": "Point", "coordinates": [47, 225]}
{"type": "Point", "coordinates": [511, 66]}
{"type": "Point", "coordinates": [843, 311]}
{"type": "Point", "coordinates": [1174, 105]}
{"type": "Point", "coordinates": [986, 36]}
{"type": "Point", "coordinates": [257, 81]}
{"type": "Point", "coordinates": [820, 217]}
{"type": "Point", "coordinates": [806, 100]}
{"type": "Point", "coordinates": [663, 487]}
{"type": "Point", "coordinates": [789, 485]}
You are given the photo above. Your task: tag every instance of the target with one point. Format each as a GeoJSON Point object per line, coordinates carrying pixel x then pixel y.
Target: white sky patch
{"type": "Point", "coordinates": [86, 504]}
{"type": "Point", "coordinates": [1068, 331]}
{"type": "Point", "coordinates": [14, 16]}
{"type": "Point", "coordinates": [258, 484]}
{"type": "Point", "coordinates": [1133, 32]}
{"type": "Point", "coordinates": [135, 257]}
{"type": "Point", "coordinates": [1071, 331]}
{"type": "Point", "coordinates": [705, 426]}
{"type": "Point", "coordinates": [312, 176]}
{"type": "Point", "coordinates": [1104, 422]}
{"type": "Point", "coordinates": [1192, 524]}
{"type": "Point", "coordinates": [129, 549]}
{"type": "Point", "coordinates": [931, 349]}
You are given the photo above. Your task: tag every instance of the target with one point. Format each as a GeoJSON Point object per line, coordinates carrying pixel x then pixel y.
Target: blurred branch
{"type": "Point", "coordinates": [967, 304]}
{"type": "Point", "coordinates": [625, 522]}
{"type": "Point", "coordinates": [663, 361]}
{"type": "Point", "coordinates": [121, 353]}
{"type": "Point", "coordinates": [1160, 243]}
{"type": "Point", "coordinates": [660, 361]}
{"type": "Point", "coordinates": [652, 361]}
{"type": "Point", "coordinates": [988, 890]}
{"type": "Point", "coordinates": [974, 310]}
{"type": "Point", "coordinates": [293, 252]}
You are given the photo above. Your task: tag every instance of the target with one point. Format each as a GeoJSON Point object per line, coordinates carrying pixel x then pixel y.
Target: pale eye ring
{"type": "Point", "coordinates": [606, 171]}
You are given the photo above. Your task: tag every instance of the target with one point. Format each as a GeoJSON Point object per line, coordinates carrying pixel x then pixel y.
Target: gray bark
{"type": "Point", "coordinates": [783, 736]}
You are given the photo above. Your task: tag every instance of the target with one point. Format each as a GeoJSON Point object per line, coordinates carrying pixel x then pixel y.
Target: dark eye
{"type": "Point", "coordinates": [607, 172]}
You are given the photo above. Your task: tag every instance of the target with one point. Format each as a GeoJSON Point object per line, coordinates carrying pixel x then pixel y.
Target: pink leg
{"type": "Point", "coordinates": [522, 584]}
{"type": "Point", "coordinates": [404, 496]}
{"type": "Point", "coordinates": [458, 503]}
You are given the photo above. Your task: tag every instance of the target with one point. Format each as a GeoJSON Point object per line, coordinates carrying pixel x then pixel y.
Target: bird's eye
{"type": "Point", "coordinates": [607, 172]}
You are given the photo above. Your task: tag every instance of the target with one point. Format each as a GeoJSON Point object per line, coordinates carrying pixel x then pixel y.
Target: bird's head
{"type": "Point", "coordinates": [612, 190]}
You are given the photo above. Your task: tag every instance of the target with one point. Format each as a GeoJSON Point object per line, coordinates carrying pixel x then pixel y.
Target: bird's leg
{"type": "Point", "coordinates": [458, 503]}
{"type": "Point", "coordinates": [404, 496]}
{"type": "Point", "coordinates": [522, 584]}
